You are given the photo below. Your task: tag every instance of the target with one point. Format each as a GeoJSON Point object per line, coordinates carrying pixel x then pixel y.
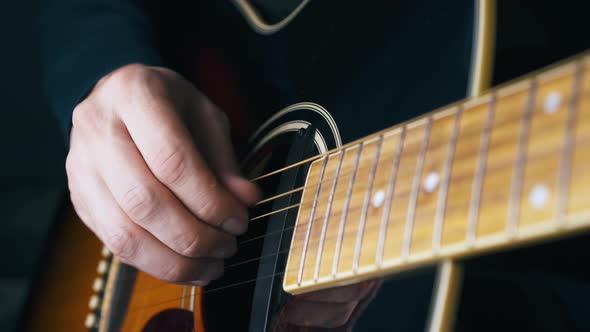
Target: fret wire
{"type": "Point", "coordinates": [311, 216]}
{"type": "Point", "coordinates": [192, 299]}
{"type": "Point", "coordinates": [415, 190]}
{"type": "Point", "coordinates": [345, 211]}
{"type": "Point", "coordinates": [326, 217]}
{"type": "Point", "coordinates": [482, 157]}
{"type": "Point", "coordinates": [468, 133]}
{"type": "Point", "coordinates": [444, 188]}
{"type": "Point", "coordinates": [517, 176]}
{"type": "Point", "coordinates": [389, 198]}
{"type": "Point", "coordinates": [401, 129]}
{"type": "Point", "coordinates": [584, 142]}
{"type": "Point", "coordinates": [365, 207]}
{"type": "Point", "coordinates": [568, 144]}
{"type": "Point", "coordinates": [183, 296]}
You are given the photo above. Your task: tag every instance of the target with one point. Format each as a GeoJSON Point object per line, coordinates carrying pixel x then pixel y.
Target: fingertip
{"type": "Point", "coordinates": [234, 225]}
{"type": "Point", "coordinates": [214, 270]}
{"type": "Point", "coordinates": [257, 194]}
{"type": "Point", "coordinates": [246, 191]}
{"type": "Point", "coordinates": [200, 283]}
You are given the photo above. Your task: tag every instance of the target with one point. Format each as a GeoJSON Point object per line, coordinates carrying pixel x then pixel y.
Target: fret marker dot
{"type": "Point", "coordinates": [552, 102]}
{"type": "Point", "coordinates": [431, 182]}
{"type": "Point", "coordinates": [378, 199]}
{"type": "Point", "coordinates": [538, 196]}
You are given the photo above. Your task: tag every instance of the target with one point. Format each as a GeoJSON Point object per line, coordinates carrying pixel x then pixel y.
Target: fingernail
{"type": "Point", "coordinates": [200, 282]}
{"type": "Point", "coordinates": [259, 195]}
{"type": "Point", "coordinates": [235, 226]}
{"type": "Point", "coordinates": [224, 252]}
{"type": "Point", "coordinates": [218, 253]}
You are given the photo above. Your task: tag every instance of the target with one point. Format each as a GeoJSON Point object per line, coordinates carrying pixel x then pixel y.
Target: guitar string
{"type": "Point", "coordinates": [385, 155]}
{"type": "Point", "coordinates": [272, 198]}
{"type": "Point", "coordinates": [579, 142]}
{"type": "Point", "coordinates": [425, 210]}
{"type": "Point", "coordinates": [281, 210]}
{"type": "Point", "coordinates": [187, 296]}
{"type": "Point", "coordinates": [470, 132]}
{"type": "Point", "coordinates": [274, 212]}
{"type": "Point", "coordinates": [584, 142]}
{"type": "Point", "coordinates": [429, 210]}
{"type": "Point", "coordinates": [335, 150]}
{"type": "Point", "coordinates": [206, 291]}
{"type": "Point", "coordinates": [353, 209]}
{"type": "Point", "coordinates": [301, 163]}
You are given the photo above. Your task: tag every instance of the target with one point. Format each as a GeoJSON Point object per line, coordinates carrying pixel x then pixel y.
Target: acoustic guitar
{"type": "Point", "coordinates": [361, 221]}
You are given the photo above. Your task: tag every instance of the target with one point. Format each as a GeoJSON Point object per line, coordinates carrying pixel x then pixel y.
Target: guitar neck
{"type": "Point", "coordinates": [483, 174]}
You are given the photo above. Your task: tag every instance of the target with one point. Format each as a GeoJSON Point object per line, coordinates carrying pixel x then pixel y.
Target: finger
{"type": "Point", "coordinates": [169, 152]}
{"type": "Point", "coordinates": [74, 163]}
{"type": "Point", "coordinates": [80, 207]}
{"type": "Point", "coordinates": [152, 206]}
{"type": "Point", "coordinates": [318, 314]}
{"type": "Point", "coordinates": [343, 294]}
{"type": "Point", "coordinates": [137, 247]}
{"type": "Point", "coordinates": [207, 123]}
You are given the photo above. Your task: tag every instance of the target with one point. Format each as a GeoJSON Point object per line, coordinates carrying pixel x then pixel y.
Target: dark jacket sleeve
{"type": "Point", "coordinates": [83, 40]}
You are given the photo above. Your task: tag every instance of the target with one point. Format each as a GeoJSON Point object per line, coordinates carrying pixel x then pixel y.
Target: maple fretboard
{"type": "Point", "coordinates": [486, 173]}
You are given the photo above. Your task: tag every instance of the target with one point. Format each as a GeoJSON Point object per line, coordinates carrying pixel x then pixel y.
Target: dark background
{"type": "Point", "coordinates": [32, 176]}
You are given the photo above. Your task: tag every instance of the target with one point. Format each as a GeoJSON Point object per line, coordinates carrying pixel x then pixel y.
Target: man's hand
{"type": "Point", "coordinates": [336, 308]}
{"type": "Point", "coordinates": [151, 171]}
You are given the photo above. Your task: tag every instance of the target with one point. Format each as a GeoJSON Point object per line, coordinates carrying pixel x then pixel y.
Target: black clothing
{"type": "Point", "coordinates": [85, 40]}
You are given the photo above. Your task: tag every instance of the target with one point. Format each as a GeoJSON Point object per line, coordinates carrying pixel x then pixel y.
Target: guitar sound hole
{"type": "Point", "coordinates": [171, 320]}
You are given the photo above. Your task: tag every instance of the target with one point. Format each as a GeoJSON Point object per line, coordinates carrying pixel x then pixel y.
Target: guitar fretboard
{"type": "Point", "coordinates": [486, 173]}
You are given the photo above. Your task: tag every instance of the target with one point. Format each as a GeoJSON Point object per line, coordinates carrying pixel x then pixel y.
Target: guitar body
{"type": "Point", "coordinates": [335, 73]}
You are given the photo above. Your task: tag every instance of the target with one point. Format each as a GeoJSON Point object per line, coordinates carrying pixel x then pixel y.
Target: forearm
{"type": "Point", "coordinates": [84, 40]}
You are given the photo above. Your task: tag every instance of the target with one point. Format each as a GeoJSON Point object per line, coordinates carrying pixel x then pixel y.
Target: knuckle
{"type": "Point", "coordinates": [175, 272]}
{"type": "Point", "coordinates": [154, 81]}
{"type": "Point", "coordinates": [80, 208]}
{"type": "Point", "coordinates": [132, 69]}
{"type": "Point", "coordinates": [128, 74]}
{"type": "Point", "coordinates": [189, 244]}
{"type": "Point", "coordinates": [223, 120]}
{"type": "Point", "coordinates": [170, 166]}
{"type": "Point", "coordinates": [137, 78]}
{"type": "Point", "coordinates": [123, 243]}
{"type": "Point", "coordinates": [362, 290]}
{"type": "Point", "coordinates": [90, 119]}
{"type": "Point", "coordinates": [209, 208]}
{"type": "Point", "coordinates": [340, 315]}
{"type": "Point", "coordinates": [80, 115]}
{"type": "Point", "coordinates": [71, 164]}
{"type": "Point", "coordinates": [140, 203]}
{"type": "Point", "coordinates": [130, 80]}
